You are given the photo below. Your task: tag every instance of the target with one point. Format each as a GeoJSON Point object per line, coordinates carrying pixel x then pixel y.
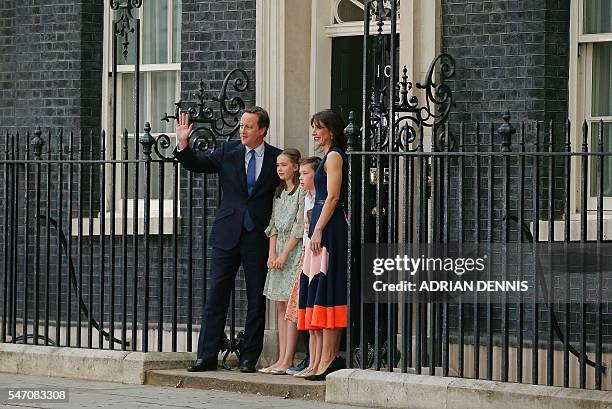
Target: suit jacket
{"type": "Point", "coordinates": [229, 162]}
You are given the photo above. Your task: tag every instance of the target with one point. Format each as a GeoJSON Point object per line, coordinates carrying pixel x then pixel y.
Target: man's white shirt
{"type": "Point", "coordinates": [259, 154]}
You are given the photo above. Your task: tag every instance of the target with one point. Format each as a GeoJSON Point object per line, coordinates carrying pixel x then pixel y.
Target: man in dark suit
{"type": "Point", "coordinates": [247, 175]}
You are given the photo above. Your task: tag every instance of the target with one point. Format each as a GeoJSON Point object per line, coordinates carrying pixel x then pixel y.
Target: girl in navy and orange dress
{"type": "Point", "coordinates": [308, 167]}
{"type": "Point", "coordinates": [323, 282]}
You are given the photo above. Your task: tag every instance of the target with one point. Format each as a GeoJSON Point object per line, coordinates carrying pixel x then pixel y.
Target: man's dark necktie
{"type": "Point", "coordinates": [251, 179]}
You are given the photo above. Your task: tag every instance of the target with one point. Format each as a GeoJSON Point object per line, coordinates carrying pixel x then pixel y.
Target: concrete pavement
{"type": "Point", "coordinates": [94, 394]}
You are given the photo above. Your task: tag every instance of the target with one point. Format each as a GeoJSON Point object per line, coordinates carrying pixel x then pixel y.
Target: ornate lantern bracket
{"type": "Point", "coordinates": [124, 25]}
{"type": "Point", "coordinates": [412, 115]}
{"type": "Point", "coordinates": [216, 117]}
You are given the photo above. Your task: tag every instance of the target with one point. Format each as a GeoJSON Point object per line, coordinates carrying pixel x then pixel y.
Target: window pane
{"type": "Point", "coordinates": [131, 57]}
{"type": "Point", "coordinates": [176, 31]}
{"type": "Point", "coordinates": [128, 103]}
{"type": "Point", "coordinates": [168, 174]}
{"type": "Point", "coordinates": [349, 11]}
{"type": "Point", "coordinates": [602, 80]}
{"type": "Point", "coordinates": [155, 32]}
{"type": "Point", "coordinates": [168, 178]}
{"type": "Point", "coordinates": [597, 16]}
{"type": "Point", "coordinates": [155, 172]}
{"type": "Point", "coordinates": [607, 147]}
{"type": "Point", "coordinates": [163, 88]}
{"type": "Point", "coordinates": [131, 190]}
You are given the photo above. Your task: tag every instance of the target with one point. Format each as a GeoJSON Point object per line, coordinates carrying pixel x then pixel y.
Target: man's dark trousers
{"type": "Point", "coordinates": [252, 252]}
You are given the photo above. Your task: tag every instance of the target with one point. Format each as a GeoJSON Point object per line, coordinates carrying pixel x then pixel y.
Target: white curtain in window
{"type": "Point", "coordinates": [601, 105]}
{"type": "Point", "coordinates": [602, 80]}
{"type": "Point", "coordinates": [155, 173]}
{"type": "Point", "coordinates": [597, 16]}
{"type": "Point", "coordinates": [607, 147]}
{"type": "Point", "coordinates": [163, 86]}
{"type": "Point", "coordinates": [176, 30]}
{"type": "Point", "coordinates": [155, 32]}
{"type": "Point", "coordinates": [608, 161]}
{"type": "Point", "coordinates": [128, 102]}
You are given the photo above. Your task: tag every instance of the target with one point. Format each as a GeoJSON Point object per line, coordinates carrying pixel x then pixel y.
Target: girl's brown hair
{"type": "Point", "coordinates": [294, 156]}
{"type": "Point", "coordinates": [312, 161]}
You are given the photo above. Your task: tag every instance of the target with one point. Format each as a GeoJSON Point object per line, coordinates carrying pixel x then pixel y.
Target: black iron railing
{"type": "Point", "coordinates": [103, 247]}
{"type": "Point", "coordinates": [484, 184]}
{"type": "Point", "coordinates": [415, 178]}
{"type": "Point", "coordinates": [77, 269]}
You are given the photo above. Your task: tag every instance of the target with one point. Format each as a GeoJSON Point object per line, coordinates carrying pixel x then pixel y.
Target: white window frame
{"type": "Point", "coordinates": [107, 115]}
{"type": "Point", "coordinates": [580, 91]}
{"type": "Point", "coordinates": [352, 28]}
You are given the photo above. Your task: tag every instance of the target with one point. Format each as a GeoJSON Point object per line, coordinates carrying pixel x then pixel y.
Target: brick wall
{"type": "Point", "coordinates": [51, 70]}
{"type": "Point", "coordinates": [510, 55]}
{"type": "Point", "coordinates": [7, 62]}
{"type": "Point", "coordinates": [217, 36]}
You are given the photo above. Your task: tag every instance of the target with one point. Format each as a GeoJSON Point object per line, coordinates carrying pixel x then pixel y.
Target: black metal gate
{"type": "Point", "coordinates": [416, 177]}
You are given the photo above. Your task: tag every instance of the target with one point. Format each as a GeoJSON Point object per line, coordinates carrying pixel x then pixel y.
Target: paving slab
{"type": "Point", "coordinates": [83, 394]}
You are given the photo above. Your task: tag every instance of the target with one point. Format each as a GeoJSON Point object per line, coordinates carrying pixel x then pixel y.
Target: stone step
{"type": "Point", "coordinates": [285, 386]}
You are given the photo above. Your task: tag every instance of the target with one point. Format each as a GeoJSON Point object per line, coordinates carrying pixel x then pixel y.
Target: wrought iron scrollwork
{"type": "Point", "coordinates": [406, 133]}
{"type": "Point", "coordinates": [433, 113]}
{"type": "Point", "coordinates": [211, 123]}
{"type": "Point", "coordinates": [381, 13]}
{"type": "Point", "coordinates": [396, 115]}
{"type": "Point", "coordinates": [369, 355]}
{"type": "Point", "coordinates": [124, 25]}
{"type": "Point", "coordinates": [163, 142]}
{"type": "Point", "coordinates": [410, 115]}
{"type": "Point", "coordinates": [231, 346]}
{"type": "Point", "coordinates": [438, 95]}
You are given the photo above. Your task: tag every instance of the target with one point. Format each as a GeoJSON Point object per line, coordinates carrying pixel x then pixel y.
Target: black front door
{"type": "Point", "coordinates": [346, 76]}
{"type": "Point", "coordinates": [346, 96]}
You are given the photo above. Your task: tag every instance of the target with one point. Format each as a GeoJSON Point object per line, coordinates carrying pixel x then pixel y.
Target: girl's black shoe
{"type": "Point", "coordinates": [336, 364]}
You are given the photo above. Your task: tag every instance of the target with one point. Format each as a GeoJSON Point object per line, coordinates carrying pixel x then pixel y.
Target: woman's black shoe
{"type": "Point", "coordinates": [336, 364]}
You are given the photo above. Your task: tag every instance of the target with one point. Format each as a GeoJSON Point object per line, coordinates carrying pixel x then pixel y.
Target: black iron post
{"type": "Point", "coordinates": [147, 141]}
{"type": "Point", "coordinates": [37, 146]}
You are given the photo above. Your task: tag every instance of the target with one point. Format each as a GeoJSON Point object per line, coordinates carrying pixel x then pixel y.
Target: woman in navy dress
{"type": "Point", "coordinates": [323, 282]}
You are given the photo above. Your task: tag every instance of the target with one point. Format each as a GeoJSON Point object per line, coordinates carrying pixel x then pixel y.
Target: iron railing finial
{"type": "Point", "coordinates": [37, 143]}
{"type": "Point", "coordinates": [506, 130]}
{"type": "Point", "coordinates": [147, 141]}
{"type": "Point", "coordinates": [351, 131]}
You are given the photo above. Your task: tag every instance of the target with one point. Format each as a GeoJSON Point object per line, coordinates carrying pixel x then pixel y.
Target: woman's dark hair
{"type": "Point", "coordinates": [334, 123]}
{"type": "Point", "coordinates": [294, 156]}
{"type": "Point", "coordinates": [312, 161]}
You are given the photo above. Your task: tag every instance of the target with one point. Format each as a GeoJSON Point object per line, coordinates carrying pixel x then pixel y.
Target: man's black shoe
{"type": "Point", "coordinates": [247, 367]}
{"type": "Point", "coordinates": [200, 366]}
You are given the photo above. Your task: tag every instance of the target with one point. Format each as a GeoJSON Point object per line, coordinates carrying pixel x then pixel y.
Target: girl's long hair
{"type": "Point", "coordinates": [294, 156]}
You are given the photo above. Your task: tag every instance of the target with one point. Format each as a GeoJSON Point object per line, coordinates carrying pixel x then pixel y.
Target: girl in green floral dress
{"type": "Point", "coordinates": [285, 231]}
